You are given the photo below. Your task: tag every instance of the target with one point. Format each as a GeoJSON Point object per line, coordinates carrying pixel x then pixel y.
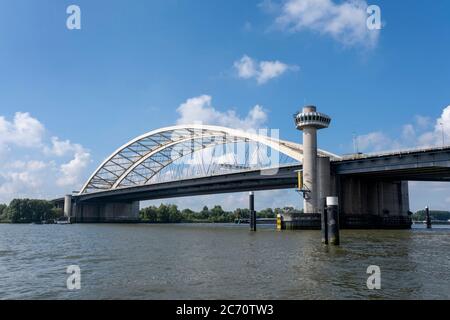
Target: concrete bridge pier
{"type": "Point", "coordinates": [367, 203]}
{"type": "Point", "coordinates": [106, 212]}
{"type": "Point", "coordinates": [68, 204]}
{"type": "Point", "coordinates": [324, 174]}
{"type": "Point", "coordinates": [324, 182]}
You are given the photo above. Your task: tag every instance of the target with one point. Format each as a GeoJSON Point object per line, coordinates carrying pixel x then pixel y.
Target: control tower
{"type": "Point", "coordinates": [309, 121]}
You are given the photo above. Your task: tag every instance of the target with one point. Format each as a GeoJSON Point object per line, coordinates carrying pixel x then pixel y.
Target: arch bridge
{"type": "Point", "coordinates": [187, 160]}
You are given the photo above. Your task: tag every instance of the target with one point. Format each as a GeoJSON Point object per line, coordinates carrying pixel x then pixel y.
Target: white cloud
{"type": "Point", "coordinates": [74, 169]}
{"type": "Point", "coordinates": [198, 110]}
{"type": "Point", "coordinates": [24, 131]}
{"type": "Point", "coordinates": [442, 125]}
{"type": "Point", "coordinates": [22, 178]}
{"type": "Point", "coordinates": [422, 122]}
{"type": "Point", "coordinates": [248, 68]}
{"type": "Point", "coordinates": [346, 21]}
{"type": "Point", "coordinates": [32, 166]}
{"type": "Point", "coordinates": [419, 134]}
{"type": "Point", "coordinates": [374, 141]}
{"type": "Point", "coordinates": [61, 148]}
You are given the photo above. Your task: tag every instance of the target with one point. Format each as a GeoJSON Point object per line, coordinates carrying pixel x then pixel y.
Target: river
{"type": "Point", "coordinates": [219, 261]}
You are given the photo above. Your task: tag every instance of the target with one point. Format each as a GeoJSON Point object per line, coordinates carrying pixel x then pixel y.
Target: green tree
{"type": "Point", "coordinates": [16, 212]}
{"type": "Point", "coordinates": [162, 213]}
{"type": "Point", "coordinates": [55, 213]}
{"type": "Point", "coordinates": [26, 210]}
{"type": "Point", "coordinates": [188, 215]}
{"type": "Point", "coordinates": [204, 214]}
{"type": "Point", "coordinates": [434, 214]}
{"type": "Point", "coordinates": [217, 211]}
{"type": "Point", "coordinates": [149, 214]}
{"type": "Point", "coordinates": [217, 214]}
{"type": "Point", "coordinates": [3, 212]}
{"type": "Point", "coordinates": [266, 213]}
{"type": "Point", "coordinates": [242, 213]}
{"type": "Point", "coordinates": [174, 214]}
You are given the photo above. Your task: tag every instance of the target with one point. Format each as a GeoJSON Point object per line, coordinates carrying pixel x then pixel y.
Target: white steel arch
{"type": "Point", "coordinates": [137, 161]}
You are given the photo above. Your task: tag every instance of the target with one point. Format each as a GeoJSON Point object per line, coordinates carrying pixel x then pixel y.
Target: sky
{"type": "Point", "coordinates": [70, 97]}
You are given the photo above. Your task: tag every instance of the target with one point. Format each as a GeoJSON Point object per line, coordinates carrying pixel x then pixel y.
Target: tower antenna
{"type": "Point", "coordinates": [355, 143]}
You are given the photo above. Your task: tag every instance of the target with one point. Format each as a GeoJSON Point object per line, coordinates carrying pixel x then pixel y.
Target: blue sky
{"type": "Point", "coordinates": [133, 63]}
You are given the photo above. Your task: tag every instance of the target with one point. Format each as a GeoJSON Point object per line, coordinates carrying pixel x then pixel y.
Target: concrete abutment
{"type": "Point", "coordinates": [110, 212]}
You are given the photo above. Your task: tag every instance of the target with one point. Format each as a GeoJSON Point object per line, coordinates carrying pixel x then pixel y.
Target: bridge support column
{"type": "Point", "coordinates": [310, 169]}
{"type": "Point", "coordinates": [324, 182]}
{"type": "Point", "coordinates": [367, 203]}
{"type": "Point", "coordinates": [110, 212]}
{"type": "Point", "coordinates": [68, 206]}
{"type": "Point", "coordinates": [323, 170]}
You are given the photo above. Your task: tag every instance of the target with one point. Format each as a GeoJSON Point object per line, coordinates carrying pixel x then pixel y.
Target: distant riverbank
{"type": "Point", "coordinates": [42, 211]}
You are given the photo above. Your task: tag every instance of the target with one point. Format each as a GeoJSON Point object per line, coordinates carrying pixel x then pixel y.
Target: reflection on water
{"type": "Point", "coordinates": [216, 261]}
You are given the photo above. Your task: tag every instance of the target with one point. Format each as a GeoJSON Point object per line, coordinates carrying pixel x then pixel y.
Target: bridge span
{"type": "Point", "coordinates": [413, 165]}
{"type": "Point", "coordinates": [372, 189]}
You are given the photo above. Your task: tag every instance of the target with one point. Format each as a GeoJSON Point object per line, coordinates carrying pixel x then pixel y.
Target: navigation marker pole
{"type": "Point", "coordinates": [333, 220]}
{"type": "Point", "coordinates": [251, 198]}
{"type": "Point", "coordinates": [324, 222]}
{"type": "Point", "coordinates": [427, 213]}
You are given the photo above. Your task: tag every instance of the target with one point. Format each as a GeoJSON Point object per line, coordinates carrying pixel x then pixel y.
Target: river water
{"type": "Point", "coordinates": [218, 261]}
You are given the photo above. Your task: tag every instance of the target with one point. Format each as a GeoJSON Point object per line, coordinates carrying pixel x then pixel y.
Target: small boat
{"type": "Point", "coordinates": [63, 220]}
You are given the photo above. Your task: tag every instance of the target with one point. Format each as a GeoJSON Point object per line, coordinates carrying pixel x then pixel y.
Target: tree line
{"type": "Point", "coordinates": [171, 214]}
{"type": "Point", "coordinates": [434, 214]}
{"type": "Point", "coordinates": [29, 211]}
{"type": "Point", "coordinates": [36, 211]}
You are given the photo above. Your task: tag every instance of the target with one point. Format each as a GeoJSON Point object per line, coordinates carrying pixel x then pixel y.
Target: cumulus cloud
{"type": "Point", "coordinates": [344, 21]}
{"type": "Point", "coordinates": [422, 133]}
{"type": "Point", "coordinates": [374, 141]}
{"type": "Point", "coordinates": [61, 148]}
{"type": "Point", "coordinates": [33, 165]}
{"type": "Point", "coordinates": [199, 110]}
{"type": "Point", "coordinates": [73, 170]}
{"type": "Point", "coordinates": [23, 131]}
{"type": "Point", "coordinates": [263, 71]}
{"type": "Point", "coordinates": [22, 178]}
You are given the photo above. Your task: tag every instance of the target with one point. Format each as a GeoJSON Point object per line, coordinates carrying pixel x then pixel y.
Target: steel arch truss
{"type": "Point", "coordinates": [141, 160]}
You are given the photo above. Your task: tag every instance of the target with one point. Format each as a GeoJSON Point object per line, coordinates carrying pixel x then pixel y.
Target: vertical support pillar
{"type": "Point", "coordinates": [251, 198]}
{"type": "Point", "coordinates": [324, 222]}
{"type": "Point", "coordinates": [68, 206]}
{"type": "Point", "coordinates": [427, 213]}
{"type": "Point", "coordinates": [324, 190]}
{"type": "Point", "coordinates": [310, 169]}
{"type": "Point", "coordinates": [333, 220]}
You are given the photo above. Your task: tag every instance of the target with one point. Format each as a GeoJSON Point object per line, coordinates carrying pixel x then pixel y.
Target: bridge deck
{"type": "Point", "coordinates": [415, 165]}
